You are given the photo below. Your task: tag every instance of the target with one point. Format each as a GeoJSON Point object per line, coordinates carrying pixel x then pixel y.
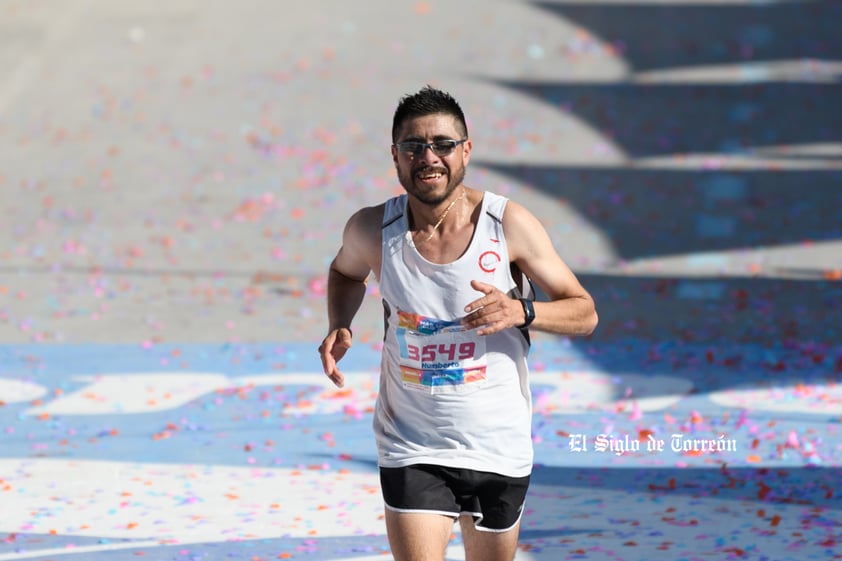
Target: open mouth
{"type": "Point", "coordinates": [429, 175]}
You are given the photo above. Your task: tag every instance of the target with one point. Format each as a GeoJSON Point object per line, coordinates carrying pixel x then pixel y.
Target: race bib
{"type": "Point", "coordinates": [449, 360]}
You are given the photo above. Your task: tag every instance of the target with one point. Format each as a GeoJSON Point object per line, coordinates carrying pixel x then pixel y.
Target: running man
{"type": "Point", "coordinates": [455, 267]}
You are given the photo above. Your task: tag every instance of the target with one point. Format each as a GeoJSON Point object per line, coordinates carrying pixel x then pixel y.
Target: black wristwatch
{"type": "Point", "coordinates": [529, 311]}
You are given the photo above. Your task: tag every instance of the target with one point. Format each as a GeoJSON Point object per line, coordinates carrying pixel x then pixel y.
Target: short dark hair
{"type": "Point", "coordinates": [427, 101]}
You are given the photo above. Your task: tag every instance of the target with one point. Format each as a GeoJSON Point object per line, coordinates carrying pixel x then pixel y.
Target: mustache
{"type": "Point", "coordinates": [433, 169]}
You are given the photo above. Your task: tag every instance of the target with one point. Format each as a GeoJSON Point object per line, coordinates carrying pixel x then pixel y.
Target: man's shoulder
{"type": "Point", "coordinates": [368, 216]}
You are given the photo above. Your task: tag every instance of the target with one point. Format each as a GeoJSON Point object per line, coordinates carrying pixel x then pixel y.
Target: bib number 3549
{"type": "Point", "coordinates": [439, 352]}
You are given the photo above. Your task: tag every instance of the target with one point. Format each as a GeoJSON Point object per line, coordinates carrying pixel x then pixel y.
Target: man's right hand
{"type": "Point", "coordinates": [332, 349]}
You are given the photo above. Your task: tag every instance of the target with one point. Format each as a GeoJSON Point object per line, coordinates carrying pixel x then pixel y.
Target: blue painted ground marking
{"type": "Point", "coordinates": [220, 451]}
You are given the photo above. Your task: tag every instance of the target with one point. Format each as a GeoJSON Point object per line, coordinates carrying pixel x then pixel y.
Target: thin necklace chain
{"type": "Point", "coordinates": [444, 215]}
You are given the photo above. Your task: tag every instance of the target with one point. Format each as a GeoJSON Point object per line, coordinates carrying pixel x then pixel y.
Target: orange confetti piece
{"type": "Point", "coordinates": [754, 459]}
{"type": "Point", "coordinates": [833, 275]}
{"type": "Point", "coordinates": [338, 394]}
{"type": "Point", "coordinates": [775, 520]}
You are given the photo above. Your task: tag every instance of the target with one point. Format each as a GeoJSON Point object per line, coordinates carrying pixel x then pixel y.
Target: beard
{"type": "Point", "coordinates": [407, 180]}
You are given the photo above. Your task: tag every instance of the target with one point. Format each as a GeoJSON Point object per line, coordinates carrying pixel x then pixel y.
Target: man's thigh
{"type": "Point", "coordinates": [483, 545]}
{"type": "Point", "coordinates": [418, 537]}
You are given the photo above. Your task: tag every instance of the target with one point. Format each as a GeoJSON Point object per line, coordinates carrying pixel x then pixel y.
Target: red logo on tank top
{"type": "Point", "coordinates": [488, 261]}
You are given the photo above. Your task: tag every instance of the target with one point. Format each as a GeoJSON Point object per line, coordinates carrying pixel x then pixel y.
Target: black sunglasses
{"type": "Point", "coordinates": [440, 148]}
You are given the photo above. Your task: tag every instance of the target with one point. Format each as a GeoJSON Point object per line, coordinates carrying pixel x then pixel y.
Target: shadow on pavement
{"type": "Point", "coordinates": [669, 35]}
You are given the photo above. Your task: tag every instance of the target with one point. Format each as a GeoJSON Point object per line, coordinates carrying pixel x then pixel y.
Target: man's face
{"type": "Point", "coordinates": [428, 177]}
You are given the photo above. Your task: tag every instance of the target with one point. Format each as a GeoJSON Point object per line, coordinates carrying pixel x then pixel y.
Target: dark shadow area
{"type": "Point", "coordinates": [675, 119]}
{"type": "Point", "coordinates": [651, 213]}
{"type": "Point", "coordinates": [657, 36]}
{"type": "Point", "coordinates": [718, 334]}
{"type": "Point", "coordinates": [813, 486]}
{"type": "Point", "coordinates": [729, 313]}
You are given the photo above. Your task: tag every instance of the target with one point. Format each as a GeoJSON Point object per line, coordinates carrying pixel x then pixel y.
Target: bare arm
{"type": "Point", "coordinates": [346, 285]}
{"type": "Point", "coordinates": [570, 309]}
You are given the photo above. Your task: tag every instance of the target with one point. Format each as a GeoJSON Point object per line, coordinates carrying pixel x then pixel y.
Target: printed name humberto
{"type": "Point", "coordinates": [677, 443]}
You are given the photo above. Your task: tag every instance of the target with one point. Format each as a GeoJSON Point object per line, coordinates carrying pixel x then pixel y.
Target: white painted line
{"type": "Point", "coordinates": [147, 392]}
{"type": "Point", "coordinates": [56, 551]}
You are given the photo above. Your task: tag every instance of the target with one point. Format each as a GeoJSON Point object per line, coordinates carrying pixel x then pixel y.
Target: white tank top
{"type": "Point", "coordinates": [448, 396]}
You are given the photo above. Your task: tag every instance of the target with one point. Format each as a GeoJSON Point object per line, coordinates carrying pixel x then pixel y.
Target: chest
{"type": "Point", "coordinates": [444, 247]}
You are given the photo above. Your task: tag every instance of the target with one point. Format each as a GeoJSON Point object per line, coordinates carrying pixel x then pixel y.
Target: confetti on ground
{"type": "Point", "coordinates": [173, 190]}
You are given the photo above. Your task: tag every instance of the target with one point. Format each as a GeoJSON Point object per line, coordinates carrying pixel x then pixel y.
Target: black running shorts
{"type": "Point", "coordinates": [494, 501]}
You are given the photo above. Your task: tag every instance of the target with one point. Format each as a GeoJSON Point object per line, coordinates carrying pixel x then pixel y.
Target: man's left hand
{"type": "Point", "coordinates": [494, 312]}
